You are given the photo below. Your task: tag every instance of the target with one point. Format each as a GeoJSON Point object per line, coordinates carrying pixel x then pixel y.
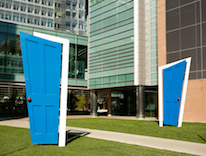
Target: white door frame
{"type": "Point", "coordinates": [184, 90]}
{"type": "Point", "coordinates": [64, 83]}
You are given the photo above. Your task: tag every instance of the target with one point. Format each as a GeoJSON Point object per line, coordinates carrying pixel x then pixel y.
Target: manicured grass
{"type": "Point", "coordinates": [195, 132]}
{"type": "Point", "coordinates": [16, 142]}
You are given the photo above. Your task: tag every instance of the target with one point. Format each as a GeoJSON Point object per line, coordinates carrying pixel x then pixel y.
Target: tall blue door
{"type": "Point", "coordinates": [42, 69]}
{"type": "Point", "coordinates": [172, 90]}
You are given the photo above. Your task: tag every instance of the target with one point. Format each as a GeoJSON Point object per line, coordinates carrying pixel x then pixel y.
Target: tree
{"type": "Point", "coordinates": [81, 102]}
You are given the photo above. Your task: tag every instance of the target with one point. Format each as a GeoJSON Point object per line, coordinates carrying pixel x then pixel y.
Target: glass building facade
{"type": "Point", "coordinates": [122, 56]}
{"type": "Point", "coordinates": [111, 44]}
{"type": "Point", "coordinates": [112, 41]}
{"type": "Point", "coordinates": [186, 34]}
{"type": "Point", "coordinates": [61, 15]}
{"type": "Point", "coordinates": [120, 67]}
{"type": "Point", "coordinates": [12, 87]}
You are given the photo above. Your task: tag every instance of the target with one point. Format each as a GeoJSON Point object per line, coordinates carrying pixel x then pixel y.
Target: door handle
{"type": "Point", "coordinates": [29, 99]}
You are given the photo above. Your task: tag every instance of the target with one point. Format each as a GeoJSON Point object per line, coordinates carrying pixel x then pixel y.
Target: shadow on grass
{"type": "Point", "coordinates": [202, 138]}
{"type": "Point", "coordinates": [72, 135]}
{"type": "Point", "coordinates": [17, 150]}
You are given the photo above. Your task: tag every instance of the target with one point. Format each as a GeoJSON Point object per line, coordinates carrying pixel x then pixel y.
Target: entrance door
{"type": "Point", "coordinates": [42, 64]}
{"type": "Point", "coordinates": [172, 89]}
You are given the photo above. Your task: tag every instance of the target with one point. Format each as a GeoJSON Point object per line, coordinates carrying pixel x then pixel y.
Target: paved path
{"type": "Point", "coordinates": [152, 142]}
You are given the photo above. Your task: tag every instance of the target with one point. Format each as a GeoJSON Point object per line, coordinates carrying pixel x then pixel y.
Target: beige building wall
{"type": "Point", "coordinates": [195, 106]}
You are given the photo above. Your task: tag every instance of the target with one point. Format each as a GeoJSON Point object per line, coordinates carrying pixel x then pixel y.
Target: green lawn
{"type": "Point", "coordinates": [195, 132]}
{"type": "Point", "coordinates": [16, 142]}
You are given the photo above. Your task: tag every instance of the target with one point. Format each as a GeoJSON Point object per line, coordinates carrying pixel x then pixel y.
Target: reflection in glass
{"type": "Point", "coordinates": [151, 102]}
{"type": "Point", "coordinates": [78, 61]}
{"type": "Point", "coordinates": [12, 101]}
{"type": "Point", "coordinates": [10, 54]}
{"type": "Point", "coordinates": [123, 103]}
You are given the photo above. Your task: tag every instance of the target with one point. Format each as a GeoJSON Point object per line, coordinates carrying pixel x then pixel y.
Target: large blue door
{"type": "Point", "coordinates": [172, 89]}
{"type": "Point", "coordinates": [42, 66]}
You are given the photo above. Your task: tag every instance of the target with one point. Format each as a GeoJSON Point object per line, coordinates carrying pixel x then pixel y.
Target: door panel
{"type": "Point", "coordinates": [172, 89]}
{"type": "Point", "coordinates": [42, 65]}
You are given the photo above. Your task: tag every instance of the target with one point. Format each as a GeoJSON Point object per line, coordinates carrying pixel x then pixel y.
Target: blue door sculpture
{"type": "Point", "coordinates": [172, 89]}
{"type": "Point", "coordinates": [42, 69]}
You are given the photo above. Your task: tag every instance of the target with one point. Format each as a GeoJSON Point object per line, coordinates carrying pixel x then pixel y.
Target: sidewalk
{"type": "Point", "coordinates": [152, 142]}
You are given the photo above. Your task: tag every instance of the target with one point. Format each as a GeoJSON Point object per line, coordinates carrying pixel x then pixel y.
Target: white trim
{"type": "Point", "coordinates": [136, 40]}
{"type": "Point", "coordinates": [64, 83]}
{"type": "Point", "coordinates": [160, 92]}
{"type": "Point", "coordinates": [184, 90]}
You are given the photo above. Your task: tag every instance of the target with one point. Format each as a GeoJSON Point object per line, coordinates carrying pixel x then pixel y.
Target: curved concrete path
{"type": "Point", "coordinates": [147, 141]}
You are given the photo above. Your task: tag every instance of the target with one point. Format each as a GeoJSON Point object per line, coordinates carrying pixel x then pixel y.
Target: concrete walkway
{"type": "Point", "coordinates": [152, 142]}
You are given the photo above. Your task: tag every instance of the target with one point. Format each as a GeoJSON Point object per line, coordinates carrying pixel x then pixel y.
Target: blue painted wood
{"type": "Point", "coordinates": [42, 70]}
{"type": "Point", "coordinates": [172, 90]}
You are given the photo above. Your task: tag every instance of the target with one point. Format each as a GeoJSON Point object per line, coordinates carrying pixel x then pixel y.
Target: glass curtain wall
{"type": "Point", "coordinates": [10, 56]}
{"type": "Point", "coordinates": [151, 101]}
{"type": "Point", "coordinates": [78, 62]}
{"type": "Point", "coordinates": [123, 102]}
{"type": "Point", "coordinates": [111, 51]}
{"type": "Point", "coordinates": [185, 30]}
{"type": "Point", "coordinates": [12, 101]}
{"type": "Point", "coordinates": [78, 102]}
{"type": "Point", "coordinates": [11, 60]}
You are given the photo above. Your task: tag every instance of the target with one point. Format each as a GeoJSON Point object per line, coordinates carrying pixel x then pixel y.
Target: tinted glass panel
{"type": "Point", "coordinates": [199, 59]}
{"type": "Point", "coordinates": [187, 15]}
{"type": "Point", "coordinates": [204, 34]}
{"type": "Point", "coordinates": [191, 53]}
{"type": "Point", "coordinates": [172, 4]}
{"type": "Point", "coordinates": [204, 74]}
{"type": "Point", "coordinates": [193, 76]}
{"type": "Point", "coordinates": [199, 75]}
{"type": "Point", "coordinates": [185, 1]}
{"type": "Point", "coordinates": [188, 38]}
{"type": "Point", "coordinates": [172, 19]}
{"type": "Point", "coordinates": [204, 58]}
{"type": "Point", "coordinates": [203, 10]}
{"type": "Point", "coordinates": [173, 57]}
{"type": "Point", "coordinates": [198, 35]}
{"type": "Point", "coordinates": [173, 42]}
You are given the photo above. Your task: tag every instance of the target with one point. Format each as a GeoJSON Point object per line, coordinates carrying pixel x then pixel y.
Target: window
{"type": "Point", "coordinates": [36, 22]}
{"type": "Point", "coordinates": [8, 5]}
{"type": "Point", "coordinates": [2, 4]}
{"type": "Point", "coordinates": [30, 20]}
{"type": "Point", "coordinates": [30, 9]}
{"type": "Point", "coordinates": [43, 23]}
{"type": "Point", "coordinates": [23, 8]}
{"type": "Point", "coordinates": [43, 12]}
{"type": "Point", "coordinates": [16, 7]}
{"type": "Point", "coordinates": [8, 16]}
{"type": "Point", "coordinates": [44, 2]}
{"type": "Point", "coordinates": [50, 24]}
{"type": "Point", "coordinates": [2, 15]}
{"type": "Point", "coordinates": [50, 13]}
{"type": "Point", "coordinates": [23, 19]}
{"type": "Point", "coordinates": [36, 11]}
{"type": "Point", "coordinates": [50, 3]}
{"type": "Point", "coordinates": [15, 18]}
{"type": "Point", "coordinates": [37, 1]}
{"type": "Point", "coordinates": [57, 5]}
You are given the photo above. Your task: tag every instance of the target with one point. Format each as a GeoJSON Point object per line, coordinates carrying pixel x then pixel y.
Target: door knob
{"type": "Point", "coordinates": [178, 99]}
{"type": "Point", "coordinates": [29, 99]}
